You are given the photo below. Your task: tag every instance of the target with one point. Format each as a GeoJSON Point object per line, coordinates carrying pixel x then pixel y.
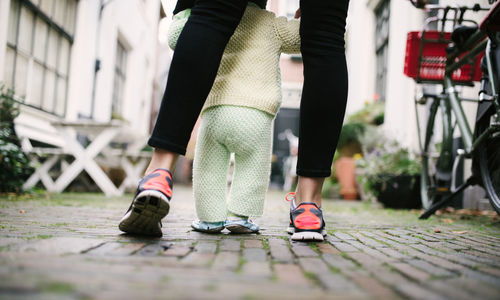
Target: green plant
{"type": "Point", "coordinates": [382, 160]}
{"type": "Point", "coordinates": [14, 163]}
{"type": "Point", "coordinates": [372, 113]}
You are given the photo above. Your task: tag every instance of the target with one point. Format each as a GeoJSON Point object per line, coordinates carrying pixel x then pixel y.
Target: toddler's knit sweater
{"type": "Point", "coordinates": [249, 73]}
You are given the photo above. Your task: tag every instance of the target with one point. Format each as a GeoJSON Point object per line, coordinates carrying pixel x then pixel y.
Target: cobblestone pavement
{"type": "Point", "coordinates": [69, 247]}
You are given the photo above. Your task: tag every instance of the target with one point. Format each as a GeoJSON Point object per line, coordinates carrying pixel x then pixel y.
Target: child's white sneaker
{"type": "Point", "coordinates": [207, 227]}
{"type": "Point", "coordinates": [237, 224]}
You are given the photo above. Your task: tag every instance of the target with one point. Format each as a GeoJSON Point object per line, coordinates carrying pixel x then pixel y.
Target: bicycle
{"type": "Point", "coordinates": [453, 59]}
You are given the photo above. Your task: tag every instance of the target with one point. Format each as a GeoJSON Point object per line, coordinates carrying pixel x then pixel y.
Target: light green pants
{"type": "Point", "coordinates": [246, 132]}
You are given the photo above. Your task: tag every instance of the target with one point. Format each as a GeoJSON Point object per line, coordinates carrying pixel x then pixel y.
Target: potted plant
{"type": "Point", "coordinates": [348, 145]}
{"type": "Point", "coordinates": [390, 173]}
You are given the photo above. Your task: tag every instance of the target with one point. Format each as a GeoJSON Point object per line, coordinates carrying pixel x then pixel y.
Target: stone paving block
{"type": "Point", "coordinates": [257, 268]}
{"type": "Point", "coordinates": [387, 276]}
{"type": "Point", "coordinates": [230, 245]}
{"type": "Point", "coordinates": [448, 246]}
{"type": "Point", "coordinates": [105, 249]}
{"type": "Point", "coordinates": [491, 271]}
{"type": "Point", "coordinates": [483, 277]}
{"type": "Point", "coordinates": [331, 239]}
{"type": "Point", "coordinates": [429, 268]}
{"type": "Point", "coordinates": [476, 288]}
{"type": "Point", "coordinates": [313, 265]}
{"type": "Point", "coordinates": [482, 247]}
{"type": "Point", "coordinates": [479, 259]}
{"type": "Point", "coordinates": [441, 262]}
{"type": "Point", "coordinates": [405, 235]}
{"type": "Point", "coordinates": [327, 249]}
{"type": "Point", "coordinates": [427, 250]}
{"type": "Point", "coordinates": [345, 247]}
{"type": "Point", "coordinates": [9, 241]}
{"type": "Point", "coordinates": [392, 253]}
{"type": "Point", "coordinates": [337, 283]}
{"type": "Point", "coordinates": [328, 279]}
{"type": "Point", "coordinates": [428, 237]}
{"type": "Point", "coordinates": [494, 259]}
{"type": "Point", "coordinates": [371, 286]}
{"type": "Point", "coordinates": [253, 244]}
{"type": "Point", "coordinates": [62, 245]}
{"type": "Point", "coordinates": [290, 274]}
{"type": "Point", "coordinates": [280, 251]}
{"type": "Point", "coordinates": [378, 255]}
{"type": "Point", "coordinates": [226, 260]}
{"type": "Point", "coordinates": [179, 249]}
{"type": "Point", "coordinates": [368, 241]}
{"type": "Point", "coordinates": [206, 247]}
{"type": "Point", "coordinates": [357, 244]}
{"type": "Point", "coordinates": [414, 291]}
{"type": "Point", "coordinates": [365, 260]}
{"type": "Point", "coordinates": [254, 254]}
{"type": "Point", "coordinates": [151, 250]}
{"type": "Point", "coordinates": [338, 261]}
{"type": "Point", "coordinates": [475, 240]}
{"type": "Point", "coordinates": [344, 236]}
{"type": "Point", "coordinates": [301, 249]}
{"type": "Point", "coordinates": [390, 237]}
{"type": "Point", "coordinates": [442, 288]}
{"type": "Point", "coordinates": [197, 259]}
{"type": "Point", "coordinates": [411, 272]}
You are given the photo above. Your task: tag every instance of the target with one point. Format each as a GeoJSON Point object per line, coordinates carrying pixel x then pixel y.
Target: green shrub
{"type": "Point", "coordinates": [14, 164]}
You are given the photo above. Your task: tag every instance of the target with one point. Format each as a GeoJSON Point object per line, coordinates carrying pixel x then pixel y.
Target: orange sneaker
{"type": "Point", "coordinates": [306, 221]}
{"type": "Point", "coordinates": [151, 204]}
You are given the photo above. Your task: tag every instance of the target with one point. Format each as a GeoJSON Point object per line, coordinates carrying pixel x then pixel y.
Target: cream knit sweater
{"type": "Point", "coordinates": [249, 73]}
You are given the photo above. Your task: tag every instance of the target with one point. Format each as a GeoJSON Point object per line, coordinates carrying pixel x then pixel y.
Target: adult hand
{"type": "Point", "coordinates": [297, 14]}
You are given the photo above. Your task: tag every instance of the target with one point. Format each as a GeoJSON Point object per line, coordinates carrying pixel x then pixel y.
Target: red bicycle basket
{"type": "Point", "coordinates": [425, 59]}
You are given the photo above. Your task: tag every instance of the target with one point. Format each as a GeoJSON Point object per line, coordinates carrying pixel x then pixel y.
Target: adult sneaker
{"type": "Point", "coordinates": [306, 221]}
{"type": "Point", "coordinates": [151, 204]}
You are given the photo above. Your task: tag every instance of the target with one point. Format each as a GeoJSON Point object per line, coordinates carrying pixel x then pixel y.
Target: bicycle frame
{"type": "Point", "coordinates": [470, 144]}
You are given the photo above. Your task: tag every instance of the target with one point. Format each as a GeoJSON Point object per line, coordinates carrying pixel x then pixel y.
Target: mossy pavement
{"type": "Point", "coordinates": [68, 246]}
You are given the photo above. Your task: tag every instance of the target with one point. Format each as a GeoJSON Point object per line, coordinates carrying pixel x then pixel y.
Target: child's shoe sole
{"type": "Point", "coordinates": [207, 228]}
{"type": "Point", "coordinates": [236, 228]}
{"type": "Point", "coordinates": [143, 218]}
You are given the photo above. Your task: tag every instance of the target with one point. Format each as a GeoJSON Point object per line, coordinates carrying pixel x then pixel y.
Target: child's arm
{"type": "Point", "coordinates": [176, 27]}
{"type": "Point", "coordinates": [288, 33]}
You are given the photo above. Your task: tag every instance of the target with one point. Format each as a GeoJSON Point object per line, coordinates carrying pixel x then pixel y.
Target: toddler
{"type": "Point", "coordinates": [237, 118]}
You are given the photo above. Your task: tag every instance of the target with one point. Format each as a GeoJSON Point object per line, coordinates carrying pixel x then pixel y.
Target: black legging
{"type": "Point", "coordinates": [197, 56]}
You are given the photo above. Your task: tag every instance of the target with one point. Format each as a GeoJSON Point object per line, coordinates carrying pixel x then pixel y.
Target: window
{"type": "Point", "coordinates": [40, 35]}
{"type": "Point", "coordinates": [382, 14]}
{"type": "Point", "coordinates": [119, 81]}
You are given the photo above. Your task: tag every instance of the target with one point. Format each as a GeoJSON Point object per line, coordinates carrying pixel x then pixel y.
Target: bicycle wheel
{"type": "Point", "coordinates": [489, 159]}
{"type": "Point", "coordinates": [435, 178]}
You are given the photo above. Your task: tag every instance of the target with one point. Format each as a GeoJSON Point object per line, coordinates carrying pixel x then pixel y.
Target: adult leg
{"type": "Point", "coordinates": [324, 96]}
{"type": "Point", "coordinates": [192, 73]}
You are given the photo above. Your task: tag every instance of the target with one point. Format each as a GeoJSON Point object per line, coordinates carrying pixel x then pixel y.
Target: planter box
{"type": "Point", "coordinates": [401, 191]}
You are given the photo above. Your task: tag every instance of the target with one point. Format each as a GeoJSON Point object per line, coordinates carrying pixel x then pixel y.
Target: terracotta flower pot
{"type": "Point", "coordinates": [344, 169]}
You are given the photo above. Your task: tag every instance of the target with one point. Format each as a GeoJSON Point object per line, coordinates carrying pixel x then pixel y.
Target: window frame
{"type": "Point", "coordinates": [382, 18]}
{"type": "Point", "coordinates": [38, 14]}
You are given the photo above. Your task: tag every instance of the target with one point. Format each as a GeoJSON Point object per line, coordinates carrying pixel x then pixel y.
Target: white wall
{"type": "Point", "coordinates": [4, 19]}
{"type": "Point", "coordinates": [400, 122]}
{"type": "Point", "coordinates": [360, 55]}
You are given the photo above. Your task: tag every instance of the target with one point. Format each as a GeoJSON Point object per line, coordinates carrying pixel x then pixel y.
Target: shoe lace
{"type": "Point", "coordinates": [290, 196]}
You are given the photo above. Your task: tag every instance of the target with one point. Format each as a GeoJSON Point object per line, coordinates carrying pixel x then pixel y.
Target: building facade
{"type": "Point", "coordinates": [79, 59]}
{"type": "Point", "coordinates": [376, 43]}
